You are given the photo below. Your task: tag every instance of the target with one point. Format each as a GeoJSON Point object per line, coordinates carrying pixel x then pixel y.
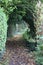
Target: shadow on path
{"type": "Point", "coordinates": [17, 54]}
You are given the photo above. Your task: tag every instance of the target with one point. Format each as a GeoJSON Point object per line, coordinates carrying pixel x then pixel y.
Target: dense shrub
{"type": "Point", "coordinates": [17, 11]}
{"type": "Point", "coordinates": [3, 30]}
{"type": "Point", "coordinates": [39, 53]}
{"type": "Point", "coordinates": [21, 10]}
{"type": "Point", "coordinates": [39, 48]}
{"type": "Point", "coordinates": [24, 9]}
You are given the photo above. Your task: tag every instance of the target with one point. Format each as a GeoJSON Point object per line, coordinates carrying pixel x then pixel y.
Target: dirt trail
{"type": "Point", "coordinates": [17, 54]}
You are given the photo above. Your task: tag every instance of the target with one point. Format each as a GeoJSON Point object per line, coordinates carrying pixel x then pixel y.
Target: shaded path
{"type": "Point", "coordinates": [17, 54]}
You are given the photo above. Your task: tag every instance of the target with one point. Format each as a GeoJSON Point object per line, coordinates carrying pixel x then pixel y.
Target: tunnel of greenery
{"type": "Point", "coordinates": [23, 17]}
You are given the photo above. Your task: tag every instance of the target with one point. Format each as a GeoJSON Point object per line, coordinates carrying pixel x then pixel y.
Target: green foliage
{"type": "Point", "coordinates": [39, 48]}
{"type": "Point", "coordinates": [20, 5]}
{"type": "Point", "coordinates": [3, 30]}
{"type": "Point", "coordinates": [31, 16]}
{"type": "Point", "coordinates": [39, 52]}
{"type": "Point", "coordinates": [10, 5]}
{"type": "Point", "coordinates": [19, 10]}
{"type": "Point", "coordinates": [28, 37]}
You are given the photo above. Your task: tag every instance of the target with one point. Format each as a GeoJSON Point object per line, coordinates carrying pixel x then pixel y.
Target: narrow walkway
{"type": "Point", "coordinates": [17, 54]}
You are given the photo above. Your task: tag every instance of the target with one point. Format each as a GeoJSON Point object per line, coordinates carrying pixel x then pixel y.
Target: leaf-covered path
{"type": "Point", "coordinates": [17, 54]}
